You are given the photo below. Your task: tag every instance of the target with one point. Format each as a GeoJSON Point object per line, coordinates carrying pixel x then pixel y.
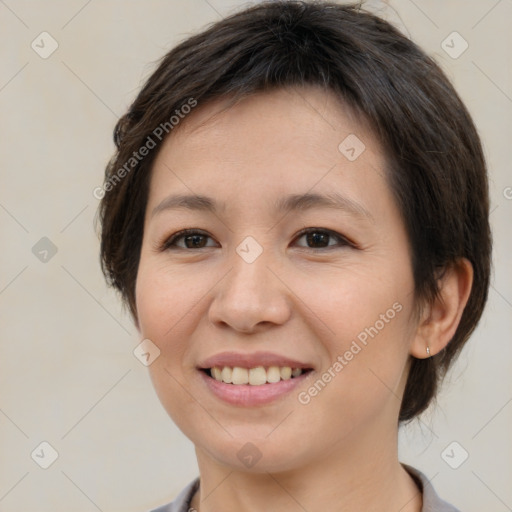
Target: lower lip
{"type": "Point", "coordinates": [246, 395]}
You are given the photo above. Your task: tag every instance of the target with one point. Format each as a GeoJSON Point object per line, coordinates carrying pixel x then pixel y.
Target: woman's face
{"type": "Point", "coordinates": [248, 288]}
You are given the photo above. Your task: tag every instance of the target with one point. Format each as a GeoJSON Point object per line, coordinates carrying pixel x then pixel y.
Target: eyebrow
{"type": "Point", "coordinates": [293, 202]}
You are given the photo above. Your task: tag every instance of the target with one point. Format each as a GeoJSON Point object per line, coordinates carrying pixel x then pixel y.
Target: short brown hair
{"type": "Point", "coordinates": [435, 164]}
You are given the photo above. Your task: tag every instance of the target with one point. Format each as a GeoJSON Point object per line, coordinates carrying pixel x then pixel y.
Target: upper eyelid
{"type": "Point", "coordinates": [181, 234]}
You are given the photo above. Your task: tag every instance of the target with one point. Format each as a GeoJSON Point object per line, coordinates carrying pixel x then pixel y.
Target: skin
{"type": "Point", "coordinates": [338, 452]}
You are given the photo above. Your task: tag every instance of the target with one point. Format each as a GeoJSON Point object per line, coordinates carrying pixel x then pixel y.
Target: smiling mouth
{"type": "Point", "coordinates": [257, 376]}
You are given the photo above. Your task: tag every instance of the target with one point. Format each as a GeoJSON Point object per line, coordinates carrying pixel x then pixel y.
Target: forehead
{"type": "Point", "coordinates": [279, 115]}
{"type": "Point", "coordinates": [270, 143]}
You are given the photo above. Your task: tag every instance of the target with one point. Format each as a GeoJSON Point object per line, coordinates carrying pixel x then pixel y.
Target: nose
{"type": "Point", "coordinates": [250, 298]}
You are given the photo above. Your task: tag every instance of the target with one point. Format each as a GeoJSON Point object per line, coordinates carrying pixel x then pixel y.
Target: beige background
{"type": "Point", "coordinates": [67, 372]}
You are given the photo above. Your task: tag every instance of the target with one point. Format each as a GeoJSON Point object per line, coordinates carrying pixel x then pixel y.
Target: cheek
{"type": "Point", "coordinates": [352, 301]}
{"type": "Point", "coordinates": [163, 298]}
{"type": "Point", "coordinates": [164, 304]}
{"type": "Point", "coordinates": [362, 321]}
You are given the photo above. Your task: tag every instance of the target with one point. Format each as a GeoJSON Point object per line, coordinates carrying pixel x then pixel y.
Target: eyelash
{"type": "Point", "coordinates": [169, 243]}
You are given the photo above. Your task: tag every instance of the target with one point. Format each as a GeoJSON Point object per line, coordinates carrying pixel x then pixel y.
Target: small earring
{"type": "Point", "coordinates": [428, 351]}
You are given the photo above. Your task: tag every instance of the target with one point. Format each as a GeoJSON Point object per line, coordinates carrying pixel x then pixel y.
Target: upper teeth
{"type": "Point", "coordinates": [254, 376]}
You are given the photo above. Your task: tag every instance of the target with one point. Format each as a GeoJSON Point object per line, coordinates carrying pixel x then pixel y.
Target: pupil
{"type": "Point", "coordinates": [195, 240]}
{"type": "Point", "coordinates": [318, 238]}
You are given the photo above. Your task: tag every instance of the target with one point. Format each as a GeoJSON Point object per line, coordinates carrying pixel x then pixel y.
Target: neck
{"type": "Point", "coordinates": [354, 475]}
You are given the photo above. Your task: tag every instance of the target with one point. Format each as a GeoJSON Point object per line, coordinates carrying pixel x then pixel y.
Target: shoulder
{"type": "Point", "coordinates": [431, 501]}
{"type": "Point", "coordinates": [182, 502]}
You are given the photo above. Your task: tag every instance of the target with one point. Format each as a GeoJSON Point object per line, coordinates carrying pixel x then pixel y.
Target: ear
{"type": "Point", "coordinates": [440, 320]}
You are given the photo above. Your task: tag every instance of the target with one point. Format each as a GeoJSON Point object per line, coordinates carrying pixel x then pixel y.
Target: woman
{"type": "Point", "coordinates": [297, 218]}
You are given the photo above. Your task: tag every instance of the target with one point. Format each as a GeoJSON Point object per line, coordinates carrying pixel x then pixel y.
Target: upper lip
{"type": "Point", "coordinates": [251, 360]}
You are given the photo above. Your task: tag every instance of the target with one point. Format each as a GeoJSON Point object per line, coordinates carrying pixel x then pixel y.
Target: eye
{"type": "Point", "coordinates": [190, 238]}
{"type": "Point", "coordinates": [315, 238]}
{"type": "Point", "coordinates": [318, 238]}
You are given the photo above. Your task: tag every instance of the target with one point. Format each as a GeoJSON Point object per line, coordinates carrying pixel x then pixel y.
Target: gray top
{"type": "Point", "coordinates": [431, 501]}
